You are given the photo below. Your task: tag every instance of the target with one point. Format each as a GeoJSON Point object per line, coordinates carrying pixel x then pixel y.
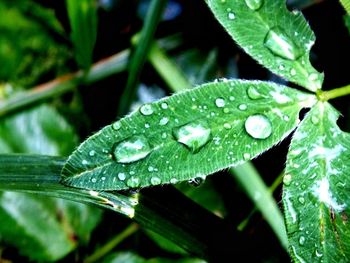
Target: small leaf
{"type": "Point", "coordinates": [316, 189]}
{"type": "Point", "coordinates": [278, 39]}
{"type": "Point", "coordinates": [188, 135]}
{"type": "Point", "coordinates": [43, 229]}
{"type": "Point", "coordinates": [83, 21]}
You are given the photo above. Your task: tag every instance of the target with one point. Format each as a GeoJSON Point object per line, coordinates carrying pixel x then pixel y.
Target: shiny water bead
{"type": "Point", "coordinates": [132, 149]}
{"type": "Point", "coordinates": [280, 44]}
{"type": "Point", "coordinates": [193, 135]}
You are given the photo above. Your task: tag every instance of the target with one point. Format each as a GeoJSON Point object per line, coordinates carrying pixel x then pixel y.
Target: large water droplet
{"type": "Point", "coordinates": [131, 149]}
{"type": "Point", "coordinates": [280, 44]}
{"type": "Point", "coordinates": [253, 93]}
{"type": "Point", "coordinates": [133, 182]}
{"type": "Point", "coordinates": [258, 126]}
{"type": "Point", "coordinates": [146, 109]}
{"type": "Point", "coordinates": [155, 180]}
{"type": "Point", "coordinates": [193, 135]}
{"type": "Point", "coordinates": [254, 4]}
{"type": "Point", "coordinates": [220, 102]}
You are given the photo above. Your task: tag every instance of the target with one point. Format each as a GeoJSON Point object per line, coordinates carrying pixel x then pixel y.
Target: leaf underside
{"type": "Point", "coordinates": [214, 116]}
{"type": "Point", "coordinates": [316, 189]}
{"type": "Point", "coordinates": [278, 39]}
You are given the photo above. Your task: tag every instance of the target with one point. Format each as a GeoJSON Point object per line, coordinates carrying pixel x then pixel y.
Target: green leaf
{"type": "Point", "coordinates": [43, 229]}
{"type": "Point", "coordinates": [346, 5]}
{"type": "Point", "coordinates": [83, 21]}
{"type": "Point", "coordinates": [188, 135]}
{"type": "Point", "coordinates": [130, 257]}
{"type": "Point", "coordinates": [278, 39]}
{"type": "Point", "coordinates": [316, 189]}
{"type": "Point", "coordinates": [38, 130]}
{"type": "Point", "coordinates": [346, 19]}
{"type": "Point", "coordinates": [31, 226]}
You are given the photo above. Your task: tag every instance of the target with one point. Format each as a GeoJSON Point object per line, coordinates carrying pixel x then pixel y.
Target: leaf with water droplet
{"type": "Point", "coordinates": [179, 151]}
{"type": "Point", "coordinates": [271, 39]}
{"type": "Point", "coordinates": [318, 160]}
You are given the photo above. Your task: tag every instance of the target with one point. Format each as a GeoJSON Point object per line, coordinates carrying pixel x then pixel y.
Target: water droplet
{"type": "Point", "coordinates": [94, 180]}
{"type": "Point", "coordinates": [147, 125]}
{"type": "Point", "coordinates": [231, 16]}
{"type": "Point", "coordinates": [293, 72]}
{"type": "Point", "coordinates": [242, 107]}
{"type": "Point", "coordinates": [287, 179]}
{"type": "Point", "coordinates": [163, 121]}
{"type": "Point", "coordinates": [254, 4]}
{"type": "Point", "coordinates": [193, 135]}
{"type": "Point", "coordinates": [280, 44]}
{"type": "Point", "coordinates": [164, 105]}
{"type": "Point", "coordinates": [84, 162]}
{"type": "Point", "coordinates": [286, 118]}
{"type": "Point", "coordinates": [164, 135]}
{"type": "Point", "coordinates": [133, 182]}
{"type": "Point", "coordinates": [196, 181]}
{"type": "Point", "coordinates": [92, 153]}
{"type": "Point", "coordinates": [231, 98]}
{"type": "Point", "coordinates": [155, 180]}
{"type": "Point", "coordinates": [246, 156]}
{"type": "Point", "coordinates": [315, 120]}
{"type": "Point", "coordinates": [301, 200]}
{"type": "Point", "coordinates": [131, 149]}
{"type": "Point", "coordinates": [253, 93]}
{"type": "Point", "coordinates": [121, 176]}
{"type": "Point", "coordinates": [116, 126]}
{"type": "Point", "coordinates": [318, 253]}
{"type": "Point", "coordinates": [302, 240]}
{"type": "Point", "coordinates": [258, 126]}
{"type": "Point", "coordinates": [173, 180]}
{"type": "Point", "coordinates": [220, 102]}
{"type": "Point", "coordinates": [150, 168]}
{"type": "Point", "coordinates": [226, 110]}
{"type": "Point", "coordinates": [146, 109]}
{"type": "Point", "coordinates": [227, 126]}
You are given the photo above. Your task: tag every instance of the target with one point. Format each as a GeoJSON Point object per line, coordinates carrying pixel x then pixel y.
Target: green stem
{"type": "Point", "coordinates": [334, 93]}
{"type": "Point", "coordinates": [184, 222]}
{"type": "Point", "coordinates": [241, 226]}
{"type": "Point", "coordinates": [167, 69]}
{"type": "Point", "coordinates": [69, 82]}
{"type": "Point", "coordinates": [111, 244]}
{"type": "Point", "coordinates": [139, 57]}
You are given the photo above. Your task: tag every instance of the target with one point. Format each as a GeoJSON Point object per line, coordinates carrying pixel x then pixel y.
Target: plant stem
{"type": "Point", "coordinates": [138, 59]}
{"type": "Point", "coordinates": [111, 244]}
{"type": "Point", "coordinates": [167, 69]}
{"type": "Point", "coordinates": [102, 69]}
{"type": "Point", "coordinates": [184, 222]}
{"type": "Point", "coordinates": [334, 93]}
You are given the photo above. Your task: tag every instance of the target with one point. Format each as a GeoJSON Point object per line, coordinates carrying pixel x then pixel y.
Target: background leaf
{"type": "Point", "coordinates": [278, 39]}
{"type": "Point", "coordinates": [83, 21]}
{"type": "Point", "coordinates": [316, 189]}
{"type": "Point", "coordinates": [43, 229]}
{"type": "Point", "coordinates": [188, 135]}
